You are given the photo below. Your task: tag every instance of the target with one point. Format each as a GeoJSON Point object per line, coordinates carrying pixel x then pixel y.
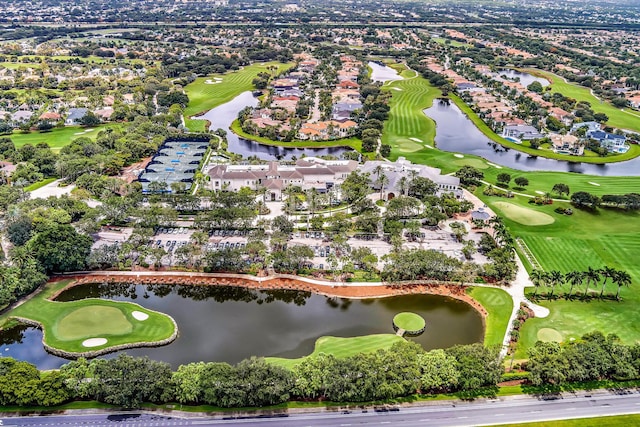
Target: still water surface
{"type": "Point", "coordinates": [229, 324]}
{"type": "Point", "coordinates": [456, 133]}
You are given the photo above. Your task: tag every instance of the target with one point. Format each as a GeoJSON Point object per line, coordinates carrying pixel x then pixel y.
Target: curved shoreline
{"type": "Point", "coordinates": [361, 290]}
{"type": "Point", "coordinates": [106, 350]}
{"type": "Point", "coordinates": [297, 143]}
{"type": "Point", "coordinates": [483, 127]}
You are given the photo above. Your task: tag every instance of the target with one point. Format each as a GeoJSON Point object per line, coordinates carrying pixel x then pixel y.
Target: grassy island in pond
{"type": "Point", "coordinates": [92, 326]}
{"type": "Point", "coordinates": [412, 323]}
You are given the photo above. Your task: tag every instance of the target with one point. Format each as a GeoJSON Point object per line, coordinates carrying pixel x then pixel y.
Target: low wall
{"type": "Point", "coordinates": [279, 281]}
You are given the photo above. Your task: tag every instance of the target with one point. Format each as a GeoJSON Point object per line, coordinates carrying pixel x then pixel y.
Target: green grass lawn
{"type": "Point", "coordinates": [454, 43]}
{"type": "Point", "coordinates": [67, 324]}
{"type": "Point", "coordinates": [354, 143]}
{"type": "Point", "coordinates": [617, 117]}
{"type": "Point", "coordinates": [406, 119]}
{"type": "Point", "coordinates": [410, 322]}
{"type": "Point", "coordinates": [606, 237]}
{"type": "Point", "coordinates": [39, 184]}
{"type": "Point", "coordinates": [343, 347]}
{"type": "Point", "coordinates": [203, 96]}
{"type": "Point", "coordinates": [499, 305]}
{"type": "Point", "coordinates": [612, 421]}
{"type": "Point", "coordinates": [57, 137]}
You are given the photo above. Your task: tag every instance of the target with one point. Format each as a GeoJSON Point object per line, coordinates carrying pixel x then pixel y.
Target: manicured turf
{"type": "Point", "coordinates": [454, 43]}
{"type": "Point", "coordinates": [343, 347]}
{"type": "Point", "coordinates": [613, 421]}
{"type": "Point", "coordinates": [410, 322]}
{"type": "Point", "coordinates": [67, 324]}
{"type": "Point", "coordinates": [499, 305]}
{"type": "Point", "coordinates": [57, 137]}
{"type": "Point", "coordinates": [39, 184]}
{"type": "Point", "coordinates": [92, 321]}
{"type": "Point", "coordinates": [585, 239]}
{"type": "Point", "coordinates": [522, 215]}
{"type": "Point", "coordinates": [203, 96]}
{"type": "Point", "coordinates": [617, 118]}
{"type": "Point", "coordinates": [406, 119]}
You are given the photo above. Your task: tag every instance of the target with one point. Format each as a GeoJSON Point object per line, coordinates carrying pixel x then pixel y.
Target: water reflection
{"type": "Point", "coordinates": [456, 133]}
{"type": "Point", "coordinates": [222, 323]}
{"type": "Point", "coordinates": [222, 116]}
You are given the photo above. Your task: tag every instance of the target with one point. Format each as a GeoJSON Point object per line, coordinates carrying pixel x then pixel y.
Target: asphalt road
{"type": "Point", "coordinates": [445, 414]}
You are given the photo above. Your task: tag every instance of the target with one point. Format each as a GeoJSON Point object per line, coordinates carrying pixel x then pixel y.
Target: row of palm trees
{"type": "Point", "coordinates": [591, 277]}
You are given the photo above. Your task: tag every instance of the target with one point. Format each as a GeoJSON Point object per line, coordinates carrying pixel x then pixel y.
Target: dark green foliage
{"type": "Point", "coordinates": [469, 175]}
{"type": "Point", "coordinates": [60, 248]}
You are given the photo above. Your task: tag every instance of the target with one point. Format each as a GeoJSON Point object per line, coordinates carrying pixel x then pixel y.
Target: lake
{"type": "Point", "coordinates": [455, 132]}
{"type": "Point", "coordinates": [382, 73]}
{"type": "Point", "coordinates": [223, 323]}
{"type": "Point", "coordinates": [223, 115]}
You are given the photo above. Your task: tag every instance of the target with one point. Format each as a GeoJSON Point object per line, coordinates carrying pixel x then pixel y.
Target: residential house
{"type": "Point", "coordinates": [104, 113]}
{"type": "Point", "coordinates": [567, 144]}
{"type": "Point", "coordinates": [591, 126]}
{"type": "Point", "coordinates": [21, 116]}
{"type": "Point", "coordinates": [612, 142]}
{"type": "Point", "coordinates": [50, 116]}
{"type": "Point", "coordinates": [519, 133]}
{"type": "Point", "coordinates": [75, 115]}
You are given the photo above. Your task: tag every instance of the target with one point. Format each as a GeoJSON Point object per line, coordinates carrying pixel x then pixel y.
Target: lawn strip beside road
{"type": "Point", "coordinates": [610, 421]}
{"type": "Point", "coordinates": [204, 96]}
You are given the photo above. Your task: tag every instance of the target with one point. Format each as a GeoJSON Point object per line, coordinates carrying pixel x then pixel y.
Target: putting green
{"type": "Point", "coordinates": [410, 322]}
{"type": "Point", "coordinates": [408, 146]}
{"type": "Point", "coordinates": [524, 216]}
{"type": "Point", "coordinates": [549, 335]}
{"type": "Point", "coordinates": [87, 322]}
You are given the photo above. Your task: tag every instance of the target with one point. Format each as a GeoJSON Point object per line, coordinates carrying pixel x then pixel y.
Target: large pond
{"type": "Point", "coordinates": [524, 78]}
{"type": "Point", "coordinates": [456, 133]}
{"type": "Point", "coordinates": [229, 324]}
{"type": "Point", "coordinates": [223, 115]}
{"type": "Point", "coordinates": [382, 73]}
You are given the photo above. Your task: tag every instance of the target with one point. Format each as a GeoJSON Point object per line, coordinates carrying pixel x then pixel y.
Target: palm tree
{"type": "Point", "coordinates": [555, 278]}
{"type": "Point", "coordinates": [404, 185]}
{"type": "Point", "coordinates": [606, 273]}
{"type": "Point", "coordinates": [590, 275]}
{"type": "Point", "coordinates": [382, 180]}
{"type": "Point", "coordinates": [621, 278]}
{"type": "Point", "coordinates": [573, 278]}
{"type": "Point", "coordinates": [536, 276]}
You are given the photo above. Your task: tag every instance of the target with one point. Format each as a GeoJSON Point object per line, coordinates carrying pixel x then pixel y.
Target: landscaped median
{"type": "Point", "coordinates": [92, 327]}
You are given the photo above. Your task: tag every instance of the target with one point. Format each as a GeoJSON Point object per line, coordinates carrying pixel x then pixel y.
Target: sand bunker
{"type": "Point", "coordinates": [416, 139]}
{"type": "Point", "coordinates": [211, 82]}
{"type": "Point", "coordinates": [428, 146]}
{"type": "Point", "coordinates": [540, 192]}
{"type": "Point", "coordinates": [460, 156]}
{"type": "Point", "coordinates": [397, 88]}
{"type": "Point", "coordinates": [594, 183]}
{"type": "Point", "coordinates": [94, 342]}
{"type": "Point", "coordinates": [494, 165]}
{"type": "Point", "coordinates": [138, 315]}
